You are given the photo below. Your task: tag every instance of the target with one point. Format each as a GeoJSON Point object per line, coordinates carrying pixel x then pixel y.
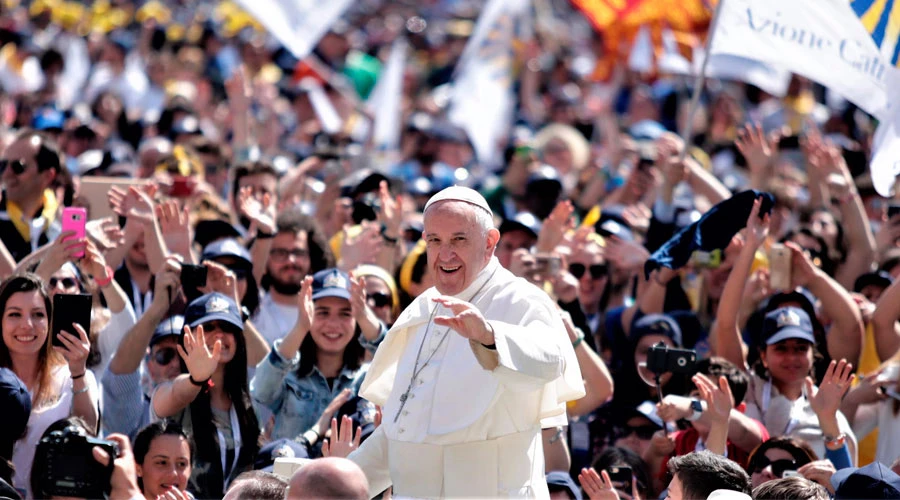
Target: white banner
{"type": "Point", "coordinates": [297, 24]}
{"type": "Point", "coordinates": [386, 99]}
{"type": "Point", "coordinates": [482, 101]}
{"type": "Point", "coordinates": [823, 40]}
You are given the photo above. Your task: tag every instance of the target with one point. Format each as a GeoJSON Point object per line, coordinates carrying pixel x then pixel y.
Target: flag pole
{"type": "Point", "coordinates": [699, 82]}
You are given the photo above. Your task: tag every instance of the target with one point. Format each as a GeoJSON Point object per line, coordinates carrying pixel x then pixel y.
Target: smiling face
{"type": "Point", "coordinates": [333, 325]}
{"type": "Point", "coordinates": [25, 323]}
{"type": "Point", "coordinates": [167, 465]}
{"type": "Point", "coordinates": [789, 361]}
{"type": "Point", "coordinates": [458, 248]}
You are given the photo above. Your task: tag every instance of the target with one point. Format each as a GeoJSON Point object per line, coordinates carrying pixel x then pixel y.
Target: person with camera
{"type": "Point", "coordinates": [57, 377]}
{"type": "Point", "coordinates": [212, 389]}
{"type": "Point", "coordinates": [304, 377]}
{"type": "Point", "coordinates": [781, 393]}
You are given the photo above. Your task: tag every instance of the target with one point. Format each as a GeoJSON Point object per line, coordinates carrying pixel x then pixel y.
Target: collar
{"type": "Point", "coordinates": [22, 222]}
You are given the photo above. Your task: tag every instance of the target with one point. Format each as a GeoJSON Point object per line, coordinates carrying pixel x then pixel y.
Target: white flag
{"type": "Point", "coordinates": [385, 100]}
{"type": "Point", "coordinates": [482, 100]}
{"type": "Point", "coordinates": [297, 24]}
{"type": "Point", "coordinates": [823, 40]}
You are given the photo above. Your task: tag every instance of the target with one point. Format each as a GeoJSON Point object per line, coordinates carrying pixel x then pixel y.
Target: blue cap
{"type": "Point", "coordinates": [227, 247]}
{"type": "Point", "coordinates": [331, 283]}
{"type": "Point", "coordinates": [211, 307]}
{"type": "Point", "coordinates": [281, 448]}
{"type": "Point", "coordinates": [787, 323]}
{"type": "Point", "coordinates": [48, 118]}
{"type": "Point", "coordinates": [522, 221]}
{"type": "Point", "coordinates": [362, 412]}
{"type": "Point", "coordinates": [562, 481]}
{"type": "Point", "coordinates": [172, 326]}
{"type": "Point", "coordinates": [872, 481]}
{"type": "Point", "coordinates": [656, 324]}
{"type": "Point", "coordinates": [16, 403]}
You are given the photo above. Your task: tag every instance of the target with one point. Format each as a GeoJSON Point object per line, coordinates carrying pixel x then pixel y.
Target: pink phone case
{"type": "Point", "coordinates": [74, 219]}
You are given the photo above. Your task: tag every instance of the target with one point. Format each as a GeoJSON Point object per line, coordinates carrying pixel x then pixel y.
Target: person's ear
{"type": "Point", "coordinates": [493, 237]}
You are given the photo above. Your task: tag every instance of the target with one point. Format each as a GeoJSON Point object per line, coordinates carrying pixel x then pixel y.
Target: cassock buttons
{"type": "Point", "coordinates": [400, 431]}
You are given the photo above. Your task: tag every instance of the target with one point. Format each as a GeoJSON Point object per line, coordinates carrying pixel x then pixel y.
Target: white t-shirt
{"type": "Point", "coordinates": [111, 336]}
{"type": "Point", "coordinates": [273, 320]}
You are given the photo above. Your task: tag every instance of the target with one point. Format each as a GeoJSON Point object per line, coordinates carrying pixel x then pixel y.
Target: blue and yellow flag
{"type": "Point", "coordinates": [881, 19]}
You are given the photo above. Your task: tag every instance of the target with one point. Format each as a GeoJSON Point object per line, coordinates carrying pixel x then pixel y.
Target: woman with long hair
{"type": "Point", "coordinates": [163, 455]}
{"type": "Point", "coordinates": [57, 377]}
{"type": "Point", "coordinates": [321, 360]}
{"type": "Point", "coordinates": [212, 389]}
{"type": "Point", "coordinates": [771, 459]}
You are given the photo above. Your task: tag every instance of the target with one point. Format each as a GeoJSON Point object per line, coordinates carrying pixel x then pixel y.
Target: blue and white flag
{"type": "Point", "coordinates": [297, 24]}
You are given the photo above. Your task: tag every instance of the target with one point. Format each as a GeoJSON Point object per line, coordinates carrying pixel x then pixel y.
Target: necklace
{"type": "Point", "coordinates": [416, 369]}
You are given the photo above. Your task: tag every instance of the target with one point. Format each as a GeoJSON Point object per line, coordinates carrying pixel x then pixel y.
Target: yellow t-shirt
{"type": "Point", "coordinates": [868, 363]}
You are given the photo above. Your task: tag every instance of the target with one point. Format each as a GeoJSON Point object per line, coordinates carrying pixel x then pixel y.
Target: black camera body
{"type": "Point", "coordinates": [664, 359]}
{"type": "Point", "coordinates": [70, 468]}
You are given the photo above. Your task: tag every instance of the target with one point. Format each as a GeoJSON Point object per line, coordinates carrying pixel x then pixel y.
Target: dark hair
{"type": "Point", "coordinates": [47, 357]}
{"type": "Point", "coordinates": [352, 359]}
{"type": "Point", "coordinates": [259, 485]}
{"type": "Point", "coordinates": [145, 438]}
{"type": "Point", "coordinates": [616, 456]}
{"type": "Point", "coordinates": [703, 472]}
{"type": "Point", "coordinates": [839, 252]}
{"type": "Point", "coordinates": [295, 221]}
{"type": "Point", "coordinates": [236, 387]}
{"type": "Point", "coordinates": [800, 450]}
{"type": "Point", "coordinates": [826, 261]}
{"type": "Point", "coordinates": [48, 156]}
{"type": "Point", "coordinates": [791, 488]}
{"type": "Point", "coordinates": [717, 366]}
{"type": "Point", "coordinates": [39, 464]}
{"type": "Point", "coordinates": [247, 169]}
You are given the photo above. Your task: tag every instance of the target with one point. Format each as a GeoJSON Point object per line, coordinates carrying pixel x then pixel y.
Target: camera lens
{"type": "Point", "coordinates": [682, 362]}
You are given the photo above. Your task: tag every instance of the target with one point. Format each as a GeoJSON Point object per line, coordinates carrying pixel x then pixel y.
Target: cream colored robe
{"type": "Point", "coordinates": [483, 431]}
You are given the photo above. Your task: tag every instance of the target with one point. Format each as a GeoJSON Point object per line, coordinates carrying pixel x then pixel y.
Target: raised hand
{"type": "Point", "coordinates": [826, 400]}
{"type": "Point", "coordinates": [391, 213]}
{"type": "Point", "coordinates": [803, 271]}
{"type": "Point", "coordinates": [201, 363]}
{"type": "Point", "coordinates": [237, 88]}
{"type": "Point", "coordinates": [260, 210]}
{"type": "Point", "coordinates": [565, 286]}
{"type": "Point", "coordinates": [307, 308]}
{"type": "Point", "coordinates": [361, 248]}
{"type": "Point", "coordinates": [133, 203]}
{"type": "Point", "coordinates": [76, 349]}
{"type": "Point", "coordinates": [467, 320]}
{"type": "Point", "coordinates": [870, 389]}
{"type": "Point", "coordinates": [555, 226]}
{"type": "Point", "coordinates": [757, 227]}
{"type": "Point", "coordinates": [221, 279]}
{"type": "Point", "coordinates": [342, 443]}
{"type": "Point", "coordinates": [105, 233]}
{"type": "Point", "coordinates": [62, 250]}
{"type": "Point", "coordinates": [93, 262]}
{"type": "Point", "coordinates": [175, 225]}
{"type": "Point", "coordinates": [819, 472]}
{"type": "Point", "coordinates": [757, 149]}
{"type": "Point", "coordinates": [625, 254]}
{"type": "Point", "coordinates": [719, 400]}
{"type": "Point", "coordinates": [332, 408]}
{"type": "Point", "coordinates": [597, 486]}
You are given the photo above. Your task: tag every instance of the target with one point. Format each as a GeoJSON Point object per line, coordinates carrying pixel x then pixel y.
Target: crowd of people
{"type": "Point", "coordinates": [420, 322]}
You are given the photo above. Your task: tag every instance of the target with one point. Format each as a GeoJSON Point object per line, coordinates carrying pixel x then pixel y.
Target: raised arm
{"type": "Point", "coordinates": [884, 320]}
{"type": "Point", "coordinates": [726, 331]}
{"type": "Point", "coordinates": [598, 383]}
{"type": "Point", "coordinates": [172, 397]}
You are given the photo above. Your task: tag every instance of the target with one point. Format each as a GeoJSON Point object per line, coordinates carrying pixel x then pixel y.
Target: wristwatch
{"type": "Point", "coordinates": [697, 408]}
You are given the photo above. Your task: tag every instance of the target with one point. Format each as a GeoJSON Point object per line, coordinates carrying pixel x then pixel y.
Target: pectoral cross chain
{"type": "Point", "coordinates": [403, 398]}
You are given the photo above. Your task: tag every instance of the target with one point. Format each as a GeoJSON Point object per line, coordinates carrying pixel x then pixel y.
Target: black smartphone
{"type": "Point", "coordinates": [193, 276]}
{"type": "Point", "coordinates": [69, 309]}
{"type": "Point", "coordinates": [893, 209]}
{"type": "Point", "coordinates": [789, 142]}
{"type": "Point", "coordinates": [621, 477]}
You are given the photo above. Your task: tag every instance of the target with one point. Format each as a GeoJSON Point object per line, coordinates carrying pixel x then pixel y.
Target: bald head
{"type": "Point", "coordinates": [329, 478]}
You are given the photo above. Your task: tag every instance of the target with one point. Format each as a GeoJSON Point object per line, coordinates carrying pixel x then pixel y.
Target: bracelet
{"type": "Point", "coordinates": [264, 236]}
{"type": "Point", "coordinates": [80, 391]}
{"type": "Point", "coordinates": [76, 377]}
{"type": "Point", "coordinates": [578, 340]}
{"type": "Point", "coordinates": [835, 442]}
{"type": "Point", "coordinates": [107, 281]}
{"type": "Point", "coordinates": [207, 382]}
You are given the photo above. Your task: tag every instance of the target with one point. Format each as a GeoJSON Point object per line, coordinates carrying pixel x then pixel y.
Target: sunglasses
{"type": "Point", "coordinates": [761, 461]}
{"type": "Point", "coordinates": [597, 270]}
{"type": "Point", "coordinates": [17, 166]}
{"type": "Point", "coordinates": [240, 273]}
{"type": "Point", "coordinates": [644, 432]}
{"type": "Point", "coordinates": [164, 356]}
{"type": "Point", "coordinates": [379, 299]}
{"type": "Point", "coordinates": [66, 282]}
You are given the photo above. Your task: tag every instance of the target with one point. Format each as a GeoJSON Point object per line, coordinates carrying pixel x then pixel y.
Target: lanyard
{"type": "Point", "coordinates": [141, 303]}
{"type": "Point", "coordinates": [236, 435]}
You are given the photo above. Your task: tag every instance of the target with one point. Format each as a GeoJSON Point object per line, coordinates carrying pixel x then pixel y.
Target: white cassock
{"type": "Point", "coordinates": [471, 425]}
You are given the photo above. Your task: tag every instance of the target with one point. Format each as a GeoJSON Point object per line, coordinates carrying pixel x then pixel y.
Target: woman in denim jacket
{"type": "Point", "coordinates": [303, 380]}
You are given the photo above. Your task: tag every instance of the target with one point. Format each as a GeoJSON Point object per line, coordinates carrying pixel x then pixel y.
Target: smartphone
{"type": "Point", "coordinates": [790, 473]}
{"type": "Point", "coordinates": [789, 142]}
{"type": "Point", "coordinates": [74, 219]}
{"type": "Point", "coordinates": [547, 265]}
{"type": "Point", "coordinates": [181, 187]}
{"type": "Point", "coordinates": [779, 267]}
{"type": "Point", "coordinates": [621, 477]}
{"type": "Point", "coordinates": [893, 209]}
{"type": "Point", "coordinates": [193, 276]}
{"type": "Point", "coordinates": [69, 309]}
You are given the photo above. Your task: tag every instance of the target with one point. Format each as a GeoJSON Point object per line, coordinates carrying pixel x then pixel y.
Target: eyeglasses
{"type": "Point", "coordinates": [66, 282]}
{"type": "Point", "coordinates": [284, 253]}
{"type": "Point", "coordinates": [379, 299]}
{"type": "Point", "coordinates": [761, 461]}
{"type": "Point", "coordinates": [644, 432]}
{"type": "Point", "coordinates": [164, 356]}
{"type": "Point", "coordinates": [597, 270]}
{"type": "Point", "coordinates": [17, 166]}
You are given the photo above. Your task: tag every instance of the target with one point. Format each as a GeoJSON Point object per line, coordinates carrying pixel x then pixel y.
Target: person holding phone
{"type": "Point", "coordinates": [57, 377]}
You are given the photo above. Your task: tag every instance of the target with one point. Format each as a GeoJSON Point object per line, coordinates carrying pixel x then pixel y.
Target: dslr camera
{"type": "Point", "coordinates": [664, 359]}
{"type": "Point", "coordinates": [69, 468]}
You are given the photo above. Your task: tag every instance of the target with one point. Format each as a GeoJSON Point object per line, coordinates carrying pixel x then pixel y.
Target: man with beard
{"type": "Point", "coordinates": [136, 278]}
{"type": "Point", "coordinates": [298, 249]}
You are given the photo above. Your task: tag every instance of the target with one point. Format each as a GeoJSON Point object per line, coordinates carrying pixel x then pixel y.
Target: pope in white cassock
{"type": "Point", "coordinates": [470, 373]}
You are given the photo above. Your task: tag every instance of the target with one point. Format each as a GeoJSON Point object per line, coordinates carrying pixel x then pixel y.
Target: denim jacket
{"type": "Point", "coordinates": [297, 403]}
